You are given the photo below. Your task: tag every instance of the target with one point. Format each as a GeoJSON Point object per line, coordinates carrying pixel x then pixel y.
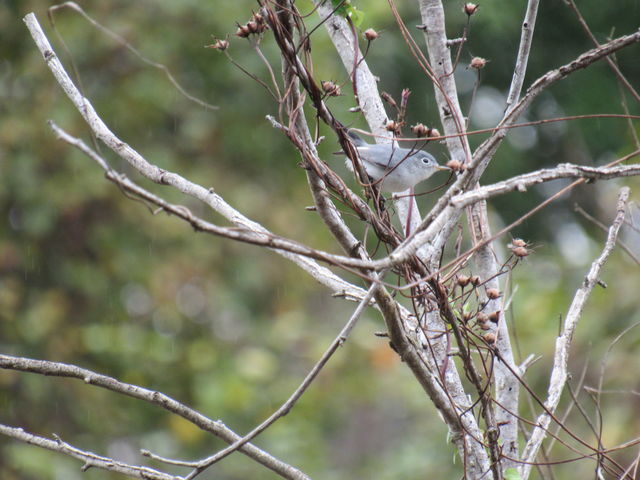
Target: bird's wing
{"type": "Point", "coordinates": [379, 156]}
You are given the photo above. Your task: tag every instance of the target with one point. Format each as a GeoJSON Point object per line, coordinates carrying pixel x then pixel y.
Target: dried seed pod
{"type": "Point", "coordinates": [455, 165]}
{"type": "Point", "coordinates": [484, 326]}
{"type": "Point", "coordinates": [243, 31]}
{"type": "Point", "coordinates": [470, 8]}
{"type": "Point", "coordinates": [419, 130]}
{"type": "Point", "coordinates": [330, 88]}
{"type": "Point", "coordinates": [463, 280]}
{"type": "Point", "coordinates": [493, 293]}
{"type": "Point", "coordinates": [389, 99]}
{"type": "Point", "coordinates": [219, 44]}
{"type": "Point", "coordinates": [466, 316]}
{"type": "Point", "coordinates": [477, 63]}
{"type": "Point", "coordinates": [370, 34]}
{"type": "Point", "coordinates": [494, 316]}
{"type": "Point", "coordinates": [392, 126]}
{"type": "Point", "coordinates": [520, 252]}
{"type": "Point", "coordinates": [475, 280]}
{"type": "Point", "coordinates": [490, 338]}
{"type": "Point", "coordinates": [257, 23]}
{"type": "Point", "coordinates": [482, 318]}
{"type": "Point", "coordinates": [433, 133]}
{"type": "Point", "coordinates": [518, 242]}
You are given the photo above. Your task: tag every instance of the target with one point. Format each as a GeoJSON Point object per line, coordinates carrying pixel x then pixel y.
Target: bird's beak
{"type": "Point", "coordinates": [442, 167]}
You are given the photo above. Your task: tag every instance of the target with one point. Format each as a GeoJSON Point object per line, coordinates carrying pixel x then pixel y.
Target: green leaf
{"type": "Point", "coordinates": [357, 16]}
{"type": "Point", "coordinates": [512, 474]}
{"type": "Point", "coordinates": [343, 9]}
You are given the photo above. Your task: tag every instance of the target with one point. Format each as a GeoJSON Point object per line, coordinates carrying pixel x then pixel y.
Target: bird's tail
{"type": "Point", "coordinates": [355, 138]}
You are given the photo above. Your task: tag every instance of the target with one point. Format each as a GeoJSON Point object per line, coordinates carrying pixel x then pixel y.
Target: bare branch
{"type": "Point", "coordinates": [432, 15]}
{"type": "Point", "coordinates": [485, 151]}
{"type": "Point", "coordinates": [563, 170]}
{"type": "Point", "coordinates": [450, 399]}
{"type": "Point", "coordinates": [91, 460]}
{"type": "Point", "coordinates": [441, 213]}
{"type": "Point", "coordinates": [526, 39]}
{"type": "Point", "coordinates": [220, 430]}
{"type": "Point", "coordinates": [559, 371]}
{"type": "Point", "coordinates": [603, 227]}
{"type": "Point", "coordinates": [506, 384]}
{"type": "Point", "coordinates": [295, 396]}
{"type": "Point", "coordinates": [157, 175]}
{"type": "Point", "coordinates": [456, 334]}
{"type": "Point", "coordinates": [621, 78]}
{"type": "Point", "coordinates": [474, 454]}
{"type": "Point", "coordinates": [265, 238]}
{"type": "Point", "coordinates": [368, 96]}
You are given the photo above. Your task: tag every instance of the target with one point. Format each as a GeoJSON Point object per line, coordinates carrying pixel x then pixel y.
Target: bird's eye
{"type": "Point", "coordinates": [425, 160]}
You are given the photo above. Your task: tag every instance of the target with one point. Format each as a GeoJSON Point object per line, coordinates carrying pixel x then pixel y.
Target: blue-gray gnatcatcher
{"type": "Point", "coordinates": [399, 168]}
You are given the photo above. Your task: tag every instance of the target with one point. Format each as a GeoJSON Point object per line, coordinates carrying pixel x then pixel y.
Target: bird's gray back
{"type": "Point", "coordinates": [383, 156]}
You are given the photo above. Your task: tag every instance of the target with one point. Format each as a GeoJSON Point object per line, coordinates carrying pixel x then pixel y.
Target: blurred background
{"type": "Point", "coordinates": [89, 277]}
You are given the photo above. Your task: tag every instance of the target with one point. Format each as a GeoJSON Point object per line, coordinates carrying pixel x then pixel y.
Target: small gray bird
{"type": "Point", "coordinates": [400, 168]}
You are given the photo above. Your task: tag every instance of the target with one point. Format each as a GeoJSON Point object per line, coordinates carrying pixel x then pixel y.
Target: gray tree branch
{"type": "Point", "coordinates": [157, 175]}
{"type": "Point", "coordinates": [57, 369]}
{"type": "Point", "coordinates": [559, 371]}
{"type": "Point", "coordinates": [91, 460]}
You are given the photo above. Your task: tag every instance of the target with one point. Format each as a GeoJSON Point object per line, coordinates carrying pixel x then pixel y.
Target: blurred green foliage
{"type": "Point", "coordinates": [89, 277]}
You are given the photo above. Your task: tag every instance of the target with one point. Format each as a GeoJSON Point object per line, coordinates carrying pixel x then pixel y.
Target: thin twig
{"type": "Point", "coordinates": [559, 372]}
{"type": "Point", "coordinates": [621, 78]}
{"type": "Point", "coordinates": [90, 459]}
{"type": "Point", "coordinates": [295, 396]}
{"type": "Point", "coordinates": [44, 367]}
{"type": "Point", "coordinates": [603, 227]}
{"type": "Point", "coordinates": [265, 239]}
{"type": "Point", "coordinates": [605, 359]}
{"type": "Point", "coordinates": [407, 248]}
{"type": "Point", "coordinates": [369, 98]}
{"type": "Point", "coordinates": [123, 42]}
{"type": "Point", "coordinates": [526, 38]}
{"type": "Point", "coordinates": [485, 151]}
{"type": "Point", "coordinates": [154, 173]}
